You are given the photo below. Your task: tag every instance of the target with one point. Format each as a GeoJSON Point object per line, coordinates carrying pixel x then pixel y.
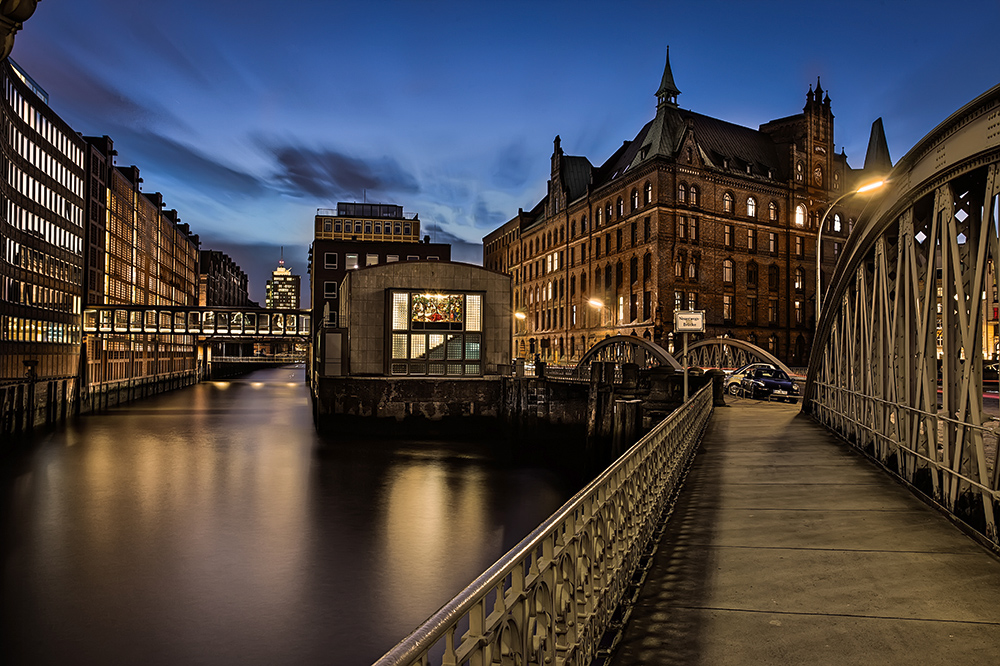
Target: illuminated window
{"type": "Point", "coordinates": [371, 259]}
{"type": "Point", "coordinates": [727, 203]}
{"type": "Point", "coordinates": [800, 216]}
{"type": "Point", "coordinates": [751, 207]}
{"type": "Point", "coordinates": [350, 261]}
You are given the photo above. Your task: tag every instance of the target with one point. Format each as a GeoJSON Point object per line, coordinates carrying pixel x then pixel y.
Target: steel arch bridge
{"type": "Point", "coordinates": [729, 354]}
{"type": "Point", "coordinates": [620, 349]}
{"type": "Point", "coordinates": [721, 353]}
{"type": "Point", "coordinates": [913, 297]}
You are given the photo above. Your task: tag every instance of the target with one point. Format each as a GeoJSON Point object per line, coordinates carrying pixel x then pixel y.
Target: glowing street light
{"type": "Point", "coordinates": [819, 238]}
{"type": "Point", "coordinates": [598, 305]}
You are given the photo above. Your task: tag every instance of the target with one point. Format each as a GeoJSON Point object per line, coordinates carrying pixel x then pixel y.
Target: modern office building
{"type": "Point", "coordinates": [355, 235]}
{"type": "Point", "coordinates": [138, 254]}
{"type": "Point", "coordinates": [692, 213]}
{"type": "Point", "coordinates": [283, 288]}
{"type": "Point", "coordinates": [41, 235]}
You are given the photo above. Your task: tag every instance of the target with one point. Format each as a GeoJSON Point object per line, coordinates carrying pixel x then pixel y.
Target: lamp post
{"type": "Point", "coordinates": [598, 304]}
{"type": "Point", "coordinates": [819, 239]}
{"type": "Point", "coordinates": [517, 369]}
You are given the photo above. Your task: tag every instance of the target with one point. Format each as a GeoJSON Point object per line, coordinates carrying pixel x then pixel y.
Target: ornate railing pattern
{"type": "Point", "coordinates": [907, 312]}
{"type": "Point", "coordinates": [550, 599]}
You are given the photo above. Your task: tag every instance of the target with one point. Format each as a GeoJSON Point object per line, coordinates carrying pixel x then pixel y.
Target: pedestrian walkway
{"type": "Point", "coordinates": [788, 548]}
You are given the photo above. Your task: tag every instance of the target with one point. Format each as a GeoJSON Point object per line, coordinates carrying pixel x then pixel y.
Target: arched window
{"type": "Point", "coordinates": [694, 195]}
{"type": "Point", "coordinates": [800, 215]}
{"type": "Point", "coordinates": [772, 211]}
{"type": "Point", "coordinates": [572, 228]}
{"type": "Point", "coordinates": [681, 193]}
{"type": "Point", "coordinates": [607, 213]}
{"type": "Point", "coordinates": [800, 279]}
{"type": "Point", "coordinates": [562, 234]}
{"type": "Point", "coordinates": [583, 224]}
{"type": "Point", "coordinates": [635, 200]}
{"type": "Point", "coordinates": [597, 218]}
{"type": "Point", "coordinates": [583, 283]}
{"type": "Point", "coordinates": [800, 170]}
{"type": "Point", "coordinates": [647, 266]}
{"type": "Point", "coordinates": [649, 192]}
{"type": "Point", "coordinates": [572, 285]}
{"type": "Point", "coordinates": [772, 277]}
{"type": "Point", "coordinates": [836, 222]}
{"type": "Point", "coordinates": [752, 274]}
{"type": "Point", "coordinates": [619, 274]}
{"type": "Point", "coordinates": [727, 202]}
{"type": "Point", "coordinates": [679, 268]}
{"type": "Point", "coordinates": [727, 271]}
{"type": "Point", "coordinates": [692, 270]}
{"type": "Point", "coordinates": [549, 287]}
{"type": "Point", "coordinates": [621, 207]}
{"type": "Point", "coordinates": [751, 207]}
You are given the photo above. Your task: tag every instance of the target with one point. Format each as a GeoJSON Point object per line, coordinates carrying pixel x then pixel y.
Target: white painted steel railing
{"type": "Point", "coordinates": [550, 599]}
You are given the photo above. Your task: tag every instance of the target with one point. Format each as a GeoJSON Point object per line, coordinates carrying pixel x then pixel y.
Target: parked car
{"type": "Point", "coordinates": [735, 378]}
{"type": "Point", "coordinates": [768, 384]}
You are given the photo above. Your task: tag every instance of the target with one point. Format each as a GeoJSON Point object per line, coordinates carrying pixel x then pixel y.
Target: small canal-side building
{"type": "Point", "coordinates": [422, 340]}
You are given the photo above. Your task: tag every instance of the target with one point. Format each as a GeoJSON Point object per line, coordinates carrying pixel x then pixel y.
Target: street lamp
{"type": "Point", "coordinates": [599, 304]}
{"type": "Point", "coordinates": [819, 238]}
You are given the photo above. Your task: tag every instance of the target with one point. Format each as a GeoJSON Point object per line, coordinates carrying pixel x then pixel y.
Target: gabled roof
{"type": "Point", "coordinates": [576, 174]}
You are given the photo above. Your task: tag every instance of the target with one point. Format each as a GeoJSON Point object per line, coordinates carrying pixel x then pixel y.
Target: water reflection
{"type": "Point", "coordinates": [210, 525]}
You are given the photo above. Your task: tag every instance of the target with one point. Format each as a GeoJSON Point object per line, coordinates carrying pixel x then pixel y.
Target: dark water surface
{"type": "Point", "coordinates": [211, 525]}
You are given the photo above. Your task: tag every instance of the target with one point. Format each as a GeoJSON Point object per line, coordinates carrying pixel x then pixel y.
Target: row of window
{"type": "Point", "coordinates": [38, 122]}
{"type": "Point", "coordinates": [37, 296]}
{"type": "Point", "coordinates": [42, 263]}
{"type": "Point", "coordinates": [368, 227]}
{"type": "Point", "coordinates": [40, 227]}
{"type": "Point", "coordinates": [352, 260]}
{"type": "Point", "coordinates": [45, 162]}
{"type": "Point", "coordinates": [43, 195]}
{"type": "Point", "coordinates": [22, 329]}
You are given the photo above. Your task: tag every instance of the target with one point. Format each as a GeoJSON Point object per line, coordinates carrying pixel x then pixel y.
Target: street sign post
{"type": "Point", "coordinates": [688, 321]}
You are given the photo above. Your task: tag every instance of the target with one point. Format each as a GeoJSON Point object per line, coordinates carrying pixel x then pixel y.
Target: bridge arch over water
{"type": "Point", "coordinates": [913, 303]}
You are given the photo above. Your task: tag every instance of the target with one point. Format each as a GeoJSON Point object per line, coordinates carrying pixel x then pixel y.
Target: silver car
{"type": "Point", "coordinates": [735, 378]}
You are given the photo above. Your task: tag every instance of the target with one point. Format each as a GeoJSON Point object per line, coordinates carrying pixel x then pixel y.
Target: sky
{"type": "Point", "coordinates": [248, 115]}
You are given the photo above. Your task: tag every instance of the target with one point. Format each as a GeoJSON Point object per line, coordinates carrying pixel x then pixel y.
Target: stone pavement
{"type": "Point", "coordinates": [788, 548]}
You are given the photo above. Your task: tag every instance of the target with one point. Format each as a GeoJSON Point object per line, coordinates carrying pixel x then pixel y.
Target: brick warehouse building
{"type": "Point", "coordinates": [693, 213]}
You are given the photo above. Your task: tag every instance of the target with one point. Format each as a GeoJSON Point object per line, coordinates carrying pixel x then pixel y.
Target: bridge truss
{"type": "Point", "coordinates": [254, 323]}
{"type": "Point", "coordinates": [897, 365]}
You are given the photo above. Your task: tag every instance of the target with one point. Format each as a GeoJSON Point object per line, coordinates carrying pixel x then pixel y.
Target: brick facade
{"type": "Point", "coordinates": [694, 211]}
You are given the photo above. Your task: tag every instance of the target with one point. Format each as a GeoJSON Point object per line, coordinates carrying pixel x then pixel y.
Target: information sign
{"type": "Point", "coordinates": [689, 321]}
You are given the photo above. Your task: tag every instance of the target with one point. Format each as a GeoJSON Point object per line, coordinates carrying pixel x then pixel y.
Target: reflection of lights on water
{"type": "Point", "coordinates": [293, 384]}
{"type": "Point", "coordinates": [221, 385]}
{"type": "Point", "coordinates": [257, 385]}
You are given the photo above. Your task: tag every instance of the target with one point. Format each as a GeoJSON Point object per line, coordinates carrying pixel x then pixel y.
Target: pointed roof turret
{"type": "Point", "coordinates": [877, 158]}
{"type": "Point", "coordinates": [668, 92]}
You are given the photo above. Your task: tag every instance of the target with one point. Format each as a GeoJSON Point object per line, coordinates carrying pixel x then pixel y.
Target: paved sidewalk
{"type": "Point", "coordinates": [787, 548]}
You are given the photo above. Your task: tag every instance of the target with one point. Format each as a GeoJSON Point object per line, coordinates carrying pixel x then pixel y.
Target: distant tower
{"type": "Point", "coordinates": [283, 287]}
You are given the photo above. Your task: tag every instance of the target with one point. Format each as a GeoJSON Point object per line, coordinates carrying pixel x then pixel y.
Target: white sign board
{"type": "Point", "coordinates": [689, 321]}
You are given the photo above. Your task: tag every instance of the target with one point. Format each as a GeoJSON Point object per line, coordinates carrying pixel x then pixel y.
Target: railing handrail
{"type": "Point", "coordinates": [438, 624]}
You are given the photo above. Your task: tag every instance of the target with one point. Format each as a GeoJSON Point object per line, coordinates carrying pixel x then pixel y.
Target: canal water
{"type": "Point", "coordinates": [212, 525]}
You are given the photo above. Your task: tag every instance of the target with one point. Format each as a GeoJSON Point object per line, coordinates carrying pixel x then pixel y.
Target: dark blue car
{"type": "Point", "coordinates": [769, 384]}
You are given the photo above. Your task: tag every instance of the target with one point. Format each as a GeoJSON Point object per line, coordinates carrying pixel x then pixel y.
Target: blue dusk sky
{"type": "Point", "coordinates": [249, 115]}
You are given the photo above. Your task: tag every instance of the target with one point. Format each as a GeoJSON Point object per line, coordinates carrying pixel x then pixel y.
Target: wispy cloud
{"type": "Point", "coordinates": [187, 164]}
{"type": "Point", "coordinates": [329, 174]}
